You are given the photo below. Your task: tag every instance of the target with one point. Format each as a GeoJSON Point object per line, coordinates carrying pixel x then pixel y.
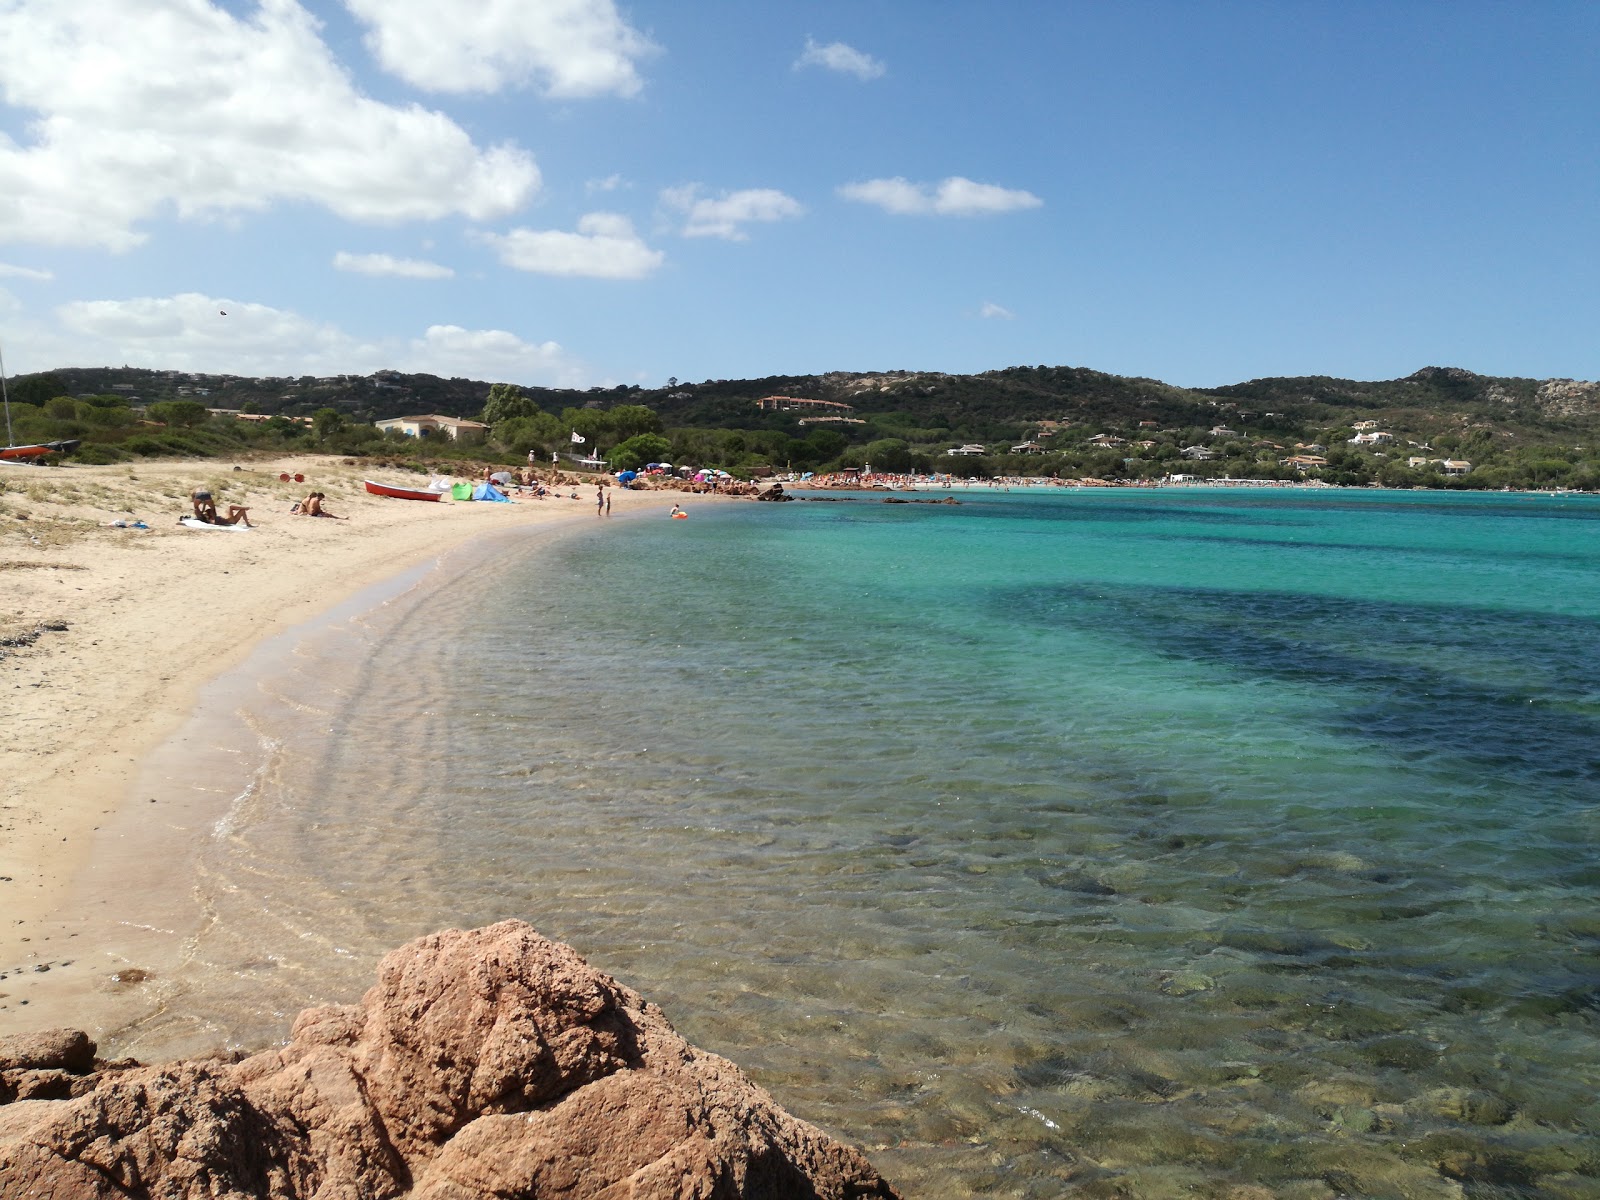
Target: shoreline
{"type": "Point", "coordinates": [110, 634]}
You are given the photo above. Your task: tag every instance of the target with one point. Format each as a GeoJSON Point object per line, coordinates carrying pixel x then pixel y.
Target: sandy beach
{"type": "Point", "coordinates": [107, 633]}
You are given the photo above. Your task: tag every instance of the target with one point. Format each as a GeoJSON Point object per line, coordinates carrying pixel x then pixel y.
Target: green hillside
{"type": "Point", "coordinates": [1075, 422]}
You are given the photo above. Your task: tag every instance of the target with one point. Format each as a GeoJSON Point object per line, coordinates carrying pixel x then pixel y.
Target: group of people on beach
{"type": "Point", "coordinates": [205, 509]}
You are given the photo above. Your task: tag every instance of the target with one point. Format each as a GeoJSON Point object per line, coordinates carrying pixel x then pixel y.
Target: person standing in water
{"type": "Point", "coordinates": [599, 499]}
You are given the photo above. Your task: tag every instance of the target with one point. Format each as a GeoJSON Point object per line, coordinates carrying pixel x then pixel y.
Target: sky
{"type": "Point", "coordinates": [582, 193]}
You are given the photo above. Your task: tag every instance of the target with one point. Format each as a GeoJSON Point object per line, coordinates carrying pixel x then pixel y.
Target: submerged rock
{"type": "Point", "coordinates": [487, 1063]}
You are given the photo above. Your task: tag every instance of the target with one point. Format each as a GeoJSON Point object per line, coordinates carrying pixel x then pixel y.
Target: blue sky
{"type": "Point", "coordinates": [580, 193]}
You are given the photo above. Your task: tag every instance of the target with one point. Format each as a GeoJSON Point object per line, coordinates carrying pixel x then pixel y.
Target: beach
{"type": "Point", "coordinates": [111, 632]}
{"type": "Point", "coordinates": [1193, 839]}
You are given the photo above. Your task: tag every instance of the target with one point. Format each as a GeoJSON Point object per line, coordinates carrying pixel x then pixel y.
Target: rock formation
{"type": "Point", "coordinates": [488, 1063]}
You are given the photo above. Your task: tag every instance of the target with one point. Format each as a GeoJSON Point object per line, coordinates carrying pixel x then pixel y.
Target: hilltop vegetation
{"type": "Point", "coordinates": [1040, 420]}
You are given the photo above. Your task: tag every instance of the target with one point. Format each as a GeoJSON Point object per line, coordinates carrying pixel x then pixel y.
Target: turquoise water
{"type": "Point", "coordinates": [1112, 843]}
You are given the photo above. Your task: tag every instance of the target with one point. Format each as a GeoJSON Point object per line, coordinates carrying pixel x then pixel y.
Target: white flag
{"type": "Point", "coordinates": [577, 437]}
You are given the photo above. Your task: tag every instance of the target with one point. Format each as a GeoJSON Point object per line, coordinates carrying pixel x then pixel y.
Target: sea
{"type": "Point", "coordinates": [1124, 842]}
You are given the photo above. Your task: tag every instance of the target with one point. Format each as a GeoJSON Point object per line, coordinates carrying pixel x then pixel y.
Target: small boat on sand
{"type": "Point", "coordinates": [37, 450]}
{"type": "Point", "coordinates": [402, 493]}
{"type": "Point", "coordinates": [11, 452]}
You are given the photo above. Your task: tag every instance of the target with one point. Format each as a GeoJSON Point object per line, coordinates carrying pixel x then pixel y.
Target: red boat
{"type": "Point", "coordinates": [401, 493]}
{"type": "Point", "coordinates": [37, 450]}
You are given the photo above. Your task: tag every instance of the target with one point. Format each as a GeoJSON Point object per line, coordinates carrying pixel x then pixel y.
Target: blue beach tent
{"type": "Point", "coordinates": [487, 491]}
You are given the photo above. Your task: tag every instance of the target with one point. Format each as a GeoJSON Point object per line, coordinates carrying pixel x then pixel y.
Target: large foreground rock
{"type": "Point", "coordinates": [489, 1063]}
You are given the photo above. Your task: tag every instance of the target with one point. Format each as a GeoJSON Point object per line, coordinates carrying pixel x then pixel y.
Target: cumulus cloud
{"type": "Point", "coordinates": [8, 271]}
{"type": "Point", "coordinates": [188, 332]}
{"type": "Point", "coordinates": [387, 264]}
{"type": "Point", "coordinates": [724, 216]}
{"type": "Point", "coordinates": [609, 184]}
{"type": "Point", "coordinates": [993, 311]}
{"type": "Point", "coordinates": [836, 56]}
{"type": "Point", "coordinates": [143, 107]}
{"type": "Point", "coordinates": [569, 48]}
{"type": "Point", "coordinates": [604, 247]}
{"type": "Point", "coordinates": [954, 197]}
{"type": "Point", "coordinates": [450, 350]}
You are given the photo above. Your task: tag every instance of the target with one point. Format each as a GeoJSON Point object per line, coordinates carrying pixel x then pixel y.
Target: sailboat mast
{"type": "Point", "coordinates": [6, 397]}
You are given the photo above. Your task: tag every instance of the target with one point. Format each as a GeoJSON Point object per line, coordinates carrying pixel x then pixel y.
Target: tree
{"type": "Point", "coordinates": [629, 420]}
{"type": "Point", "coordinates": [326, 422]}
{"type": "Point", "coordinates": [506, 402]}
{"type": "Point", "coordinates": [522, 434]}
{"type": "Point", "coordinates": [179, 412]}
{"type": "Point", "coordinates": [640, 449]}
{"type": "Point", "coordinates": [36, 389]}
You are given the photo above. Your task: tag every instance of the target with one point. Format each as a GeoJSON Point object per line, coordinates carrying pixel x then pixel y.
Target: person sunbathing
{"type": "Point", "coordinates": [205, 509]}
{"type": "Point", "coordinates": [311, 506]}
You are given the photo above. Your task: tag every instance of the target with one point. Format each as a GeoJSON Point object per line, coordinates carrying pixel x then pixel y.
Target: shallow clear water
{"type": "Point", "coordinates": [1120, 843]}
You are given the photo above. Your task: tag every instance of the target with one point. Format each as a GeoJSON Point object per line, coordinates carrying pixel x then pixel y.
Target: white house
{"type": "Point", "coordinates": [434, 425]}
{"type": "Point", "coordinates": [971, 448]}
{"type": "Point", "coordinates": [1198, 453]}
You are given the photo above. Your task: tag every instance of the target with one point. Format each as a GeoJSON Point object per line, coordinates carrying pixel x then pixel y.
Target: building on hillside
{"type": "Point", "coordinates": [1375, 438]}
{"type": "Point", "coordinates": [1304, 462]}
{"type": "Point", "coordinates": [434, 425]}
{"type": "Point", "coordinates": [970, 449]}
{"type": "Point", "coordinates": [1456, 466]}
{"type": "Point", "coordinates": [1028, 448]}
{"type": "Point", "coordinates": [1198, 453]}
{"type": "Point", "coordinates": [1222, 431]}
{"type": "Point", "coordinates": [796, 404]}
{"type": "Point", "coordinates": [1363, 426]}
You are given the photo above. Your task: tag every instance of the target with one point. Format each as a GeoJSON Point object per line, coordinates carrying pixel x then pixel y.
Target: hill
{"type": "Point", "coordinates": [1028, 419]}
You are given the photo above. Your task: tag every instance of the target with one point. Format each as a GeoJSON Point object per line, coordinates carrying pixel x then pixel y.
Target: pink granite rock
{"type": "Point", "coordinates": [490, 1063]}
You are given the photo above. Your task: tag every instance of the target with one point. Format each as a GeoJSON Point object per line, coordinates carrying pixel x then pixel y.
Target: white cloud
{"type": "Point", "coordinates": [609, 184]}
{"type": "Point", "coordinates": [605, 247]}
{"type": "Point", "coordinates": [145, 107]}
{"type": "Point", "coordinates": [387, 264]}
{"type": "Point", "coordinates": [571, 48]}
{"type": "Point", "coordinates": [724, 216]}
{"type": "Point", "coordinates": [13, 272]}
{"type": "Point", "coordinates": [450, 350]}
{"type": "Point", "coordinates": [954, 197]}
{"type": "Point", "coordinates": [995, 312]}
{"type": "Point", "coordinates": [189, 333]}
{"type": "Point", "coordinates": [836, 56]}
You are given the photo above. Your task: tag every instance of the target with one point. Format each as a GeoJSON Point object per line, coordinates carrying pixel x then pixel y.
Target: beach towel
{"type": "Point", "coordinates": [197, 523]}
{"type": "Point", "coordinates": [487, 491]}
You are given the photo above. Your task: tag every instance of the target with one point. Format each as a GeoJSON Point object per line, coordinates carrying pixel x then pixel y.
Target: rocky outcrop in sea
{"type": "Point", "coordinates": [483, 1063]}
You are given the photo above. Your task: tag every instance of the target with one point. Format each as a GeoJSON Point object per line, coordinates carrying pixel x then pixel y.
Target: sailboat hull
{"type": "Point", "coordinates": [37, 450]}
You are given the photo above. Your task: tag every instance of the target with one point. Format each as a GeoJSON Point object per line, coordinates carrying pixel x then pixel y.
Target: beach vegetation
{"type": "Point", "coordinates": [326, 423]}
{"type": "Point", "coordinates": [638, 450]}
{"type": "Point", "coordinates": [183, 413]}
{"type": "Point", "coordinates": [507, 402]}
